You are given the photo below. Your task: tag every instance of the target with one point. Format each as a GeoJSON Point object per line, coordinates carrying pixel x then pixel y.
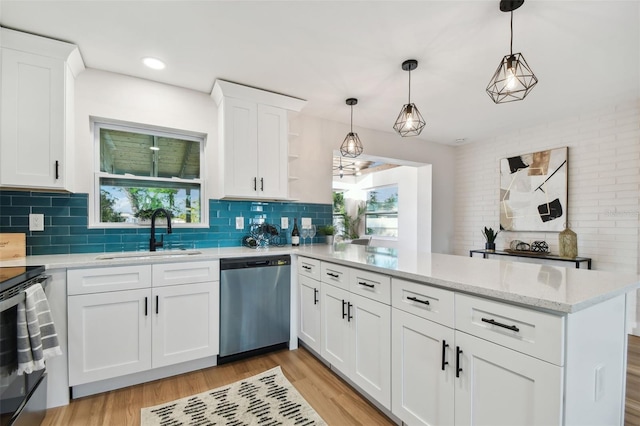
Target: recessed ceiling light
{"type": "Point", "coordinates": [153, 63]}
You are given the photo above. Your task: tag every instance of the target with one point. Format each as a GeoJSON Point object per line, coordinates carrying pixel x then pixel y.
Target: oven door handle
{"type": "Point", "coordinates": [13, 301]}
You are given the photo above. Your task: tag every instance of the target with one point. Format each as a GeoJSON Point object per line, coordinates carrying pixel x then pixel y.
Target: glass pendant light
{"type": "Point", "coordinates": [410, 121]}
{"type": "Point", "coordinates": [351, 146]}
{"type": "Point", "coordinates": [513, 80]}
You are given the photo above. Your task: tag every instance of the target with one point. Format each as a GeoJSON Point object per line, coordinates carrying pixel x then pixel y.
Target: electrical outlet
{"type": "Point", "coordinates": [306, 222]}
{"type": "Point", "coordinates": [240, 222]}
{"type": "Point", "coordinates": [284, 222]}
{"type": "Point", "coordinates": [36, 222]}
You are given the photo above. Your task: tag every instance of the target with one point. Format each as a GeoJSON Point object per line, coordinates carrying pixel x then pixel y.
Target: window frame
{"type": "Point", "coordinates": [382, 213]}
{"type": "Point", "coordinates": [98, 123]}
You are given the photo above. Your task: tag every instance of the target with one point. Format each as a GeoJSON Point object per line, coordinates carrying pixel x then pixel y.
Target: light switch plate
{"type": "Point", "coordinates": [284, 222]}
{"type": "Point", "coordinates": [240, 222]}
{"type": "Point", "coordinates": [36, 222]}
{"type": "Point", "coordinates": [306, 222]}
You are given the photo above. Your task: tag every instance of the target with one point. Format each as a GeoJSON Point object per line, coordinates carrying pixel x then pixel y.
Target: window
{"type": "Point", "coordinates": [381, 214]}
{"type": "Point", "coordinates": [140, 169]}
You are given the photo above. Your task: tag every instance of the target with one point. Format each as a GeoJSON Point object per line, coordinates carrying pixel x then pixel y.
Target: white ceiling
{"type": "Point", "coordinates": [584, 53]}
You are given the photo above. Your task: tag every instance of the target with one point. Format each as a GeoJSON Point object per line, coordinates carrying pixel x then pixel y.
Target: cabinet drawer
{"type": "Point", "coordinates": [309, 267]}
{"type": "Point", "coordinates": [371, 285]}
{"type": "Point", "coordinates": [113, 278]}
{"type": "Point", "coordinates": [337, 275]}
{"type": "Point", "coordinates": [432, 303]}
{"type": "Point", "coordinates": [535, 333]}
{"type": "Point", "coordinates": [185, 273]}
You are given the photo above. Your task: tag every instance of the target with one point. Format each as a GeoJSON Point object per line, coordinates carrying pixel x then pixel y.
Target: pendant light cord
{"type": "Point", "coordinates": [409, 87]}
{"type": "Point", "coordinates": [511, 43]}
{"type": "Point", "coordinates": [351, 118]}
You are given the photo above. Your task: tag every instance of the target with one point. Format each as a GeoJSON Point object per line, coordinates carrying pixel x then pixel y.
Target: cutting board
{"type": "Point", "coordinates": [12, 246]}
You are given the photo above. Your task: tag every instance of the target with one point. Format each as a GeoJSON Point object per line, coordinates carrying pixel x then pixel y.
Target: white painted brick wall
{"type": "Point", "coordinates": [604, 188]}
{"type": "Point", "coordinates": [604, 185]}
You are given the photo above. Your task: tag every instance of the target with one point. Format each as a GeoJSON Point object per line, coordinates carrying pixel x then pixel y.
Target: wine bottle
{"type": "Point", "coordinates": [295, 234]}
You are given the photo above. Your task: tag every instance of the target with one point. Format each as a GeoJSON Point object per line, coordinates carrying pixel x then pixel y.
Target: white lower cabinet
{"type": "Point", "coordinates": [185, 323]}
{"type": "Point", "coordinates": [499, 386]}
{"type": "Point", "coordinates": [444, 376]}
{"type": "Point", "coordinates": [356, 339]}
{"type": "Point", "coordinates": [109, 335]}
{"type": "Point", "coordinates": [423, 370]}
{"type": "Point", "coordinates": [114, 333]}
{"type": "Point", "coordinates": [309, 318]}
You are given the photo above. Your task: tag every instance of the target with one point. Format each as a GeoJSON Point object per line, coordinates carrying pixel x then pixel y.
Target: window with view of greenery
{"type": "Point", "coordinates": [381, 214]}
{"type": "Point", "coordinates": [143, 169]}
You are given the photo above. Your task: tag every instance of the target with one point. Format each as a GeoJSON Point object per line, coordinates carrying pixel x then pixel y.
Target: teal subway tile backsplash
{"type": "Point", "coordinates": [66, 219]}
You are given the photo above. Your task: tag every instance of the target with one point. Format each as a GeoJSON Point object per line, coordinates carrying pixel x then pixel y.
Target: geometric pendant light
{"type": "Point", "coordinates": [409, 121]}
{"type": "Point", "coordinates": [351, 146]}
{"type": "Point", "coordinates": [513, 80]}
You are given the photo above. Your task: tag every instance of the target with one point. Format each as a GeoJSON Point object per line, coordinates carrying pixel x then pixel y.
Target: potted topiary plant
{"type": "Point", "coordinates": [490, 236]}
{"type": "Point", "coordinates": [328, 231]}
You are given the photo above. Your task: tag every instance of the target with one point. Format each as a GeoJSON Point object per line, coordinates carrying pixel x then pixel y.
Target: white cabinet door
{"type": "Point", "coordinates": [423, 370]}
{"type": "Point", "coordinates": [499, 386]}
{"type": "Point", "coordinates": [273, 152]}
{"type": "Point", "coordinates": [309, 327]}
{"type": "Point", "coordinates": [32, 123]}
{"type": "Point", "coordinates": [335, 328]}
{"type": "Point", "coordinates": [370, 351]}
{"type": "Point", "coordinates": [185, 322]}
{"type": "Point", "coordinates": [239, 142]}
{"type": "Point", "coordinates": [109, 335]}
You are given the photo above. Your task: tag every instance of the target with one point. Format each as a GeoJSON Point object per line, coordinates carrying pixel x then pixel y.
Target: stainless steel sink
{"type": "Point", "coordinates": [148, 254]}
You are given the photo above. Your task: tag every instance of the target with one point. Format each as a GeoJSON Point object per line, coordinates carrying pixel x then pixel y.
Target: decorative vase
{"type": "Point", "coordinates": [490, 246]}
{"type": "Point", "coordinates": [568, 241]}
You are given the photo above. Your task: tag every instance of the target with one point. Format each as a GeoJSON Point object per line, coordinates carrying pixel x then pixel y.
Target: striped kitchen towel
{"type": "Point", "coordinates": [37, 338]}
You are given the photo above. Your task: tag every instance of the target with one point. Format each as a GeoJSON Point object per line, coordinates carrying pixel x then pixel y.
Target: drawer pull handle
{"type": "Point", "coordinates": [344, 314]}
{"type": "Point", "coordinates": [415, 299]}
{"type": "Point", "coordinates": [349, 317]}
{"type": "Point", "coordinates": [444, 349]}
{"type": "Point", "coordinates": [333, 275]}
{"type": "Point", "coordinates": [366, 284]}
{"type": "Point", "coordinates": [157, 304]}
{"type": "Point", "coordinates": [499, 324]}
{"type": "Point", "coordinates": [458, 368]}
{"type": "Point", "coordinates": [315, 296]}
{"type": "Point", "coordinates": [308, 268]}
{"type": "Point", "coordinates": [145, 306]}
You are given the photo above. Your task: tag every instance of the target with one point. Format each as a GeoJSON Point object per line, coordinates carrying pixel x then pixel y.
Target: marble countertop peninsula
{"type": "Point", "coordinates": [552, 288]}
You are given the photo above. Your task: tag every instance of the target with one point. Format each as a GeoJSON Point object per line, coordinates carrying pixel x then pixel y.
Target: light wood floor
{"type": "Point", "coordinates": [632, 411]}
{"type": "Point", "coordinates": [332, 398]}
{"type": "Point", "coordinates": [335, 401]}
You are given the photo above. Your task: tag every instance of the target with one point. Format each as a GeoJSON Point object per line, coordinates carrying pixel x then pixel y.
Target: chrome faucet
{"type": "Point", "coordinates": [152, 241]}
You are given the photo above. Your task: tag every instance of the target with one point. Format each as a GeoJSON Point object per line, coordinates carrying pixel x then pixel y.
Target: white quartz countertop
{"type": "Point", "coordinates": [553, 288]}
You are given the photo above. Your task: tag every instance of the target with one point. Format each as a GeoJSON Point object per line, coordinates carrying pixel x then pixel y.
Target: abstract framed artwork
{"type": "Point", "coordinates": [533, 191]}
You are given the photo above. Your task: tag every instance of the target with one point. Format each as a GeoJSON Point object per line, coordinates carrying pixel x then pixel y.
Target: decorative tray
{"type": "Point", "coordinates": [537, 253]}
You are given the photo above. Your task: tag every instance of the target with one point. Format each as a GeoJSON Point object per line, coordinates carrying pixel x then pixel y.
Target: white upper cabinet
{"type": "Point", "coordinates": [36, 111]}
{"type": "Point", "coordinates": [253, 141]}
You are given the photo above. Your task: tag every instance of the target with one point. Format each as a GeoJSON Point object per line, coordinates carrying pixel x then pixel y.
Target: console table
{"type": "Point", "coordinates": [577, 260]}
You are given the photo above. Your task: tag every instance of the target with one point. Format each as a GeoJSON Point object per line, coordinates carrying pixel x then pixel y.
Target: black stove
{"type": "Point", "coordinates": [23, 398]}
{"type": "Point", "coordinates": [11, 276]}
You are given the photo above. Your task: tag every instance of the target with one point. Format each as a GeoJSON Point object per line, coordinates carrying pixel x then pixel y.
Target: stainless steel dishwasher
{"type": "Point", "coordinates": [255, 305]}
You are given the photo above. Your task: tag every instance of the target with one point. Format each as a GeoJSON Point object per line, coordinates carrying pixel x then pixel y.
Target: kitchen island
{"type": "Point", "coordinates": [486, 319]}
{"type": "Point", "coordinates": [440, 339]}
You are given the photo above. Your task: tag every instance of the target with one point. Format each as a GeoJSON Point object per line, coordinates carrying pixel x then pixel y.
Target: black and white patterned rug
{"type": "Point", "coordinates": [266, 399]}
